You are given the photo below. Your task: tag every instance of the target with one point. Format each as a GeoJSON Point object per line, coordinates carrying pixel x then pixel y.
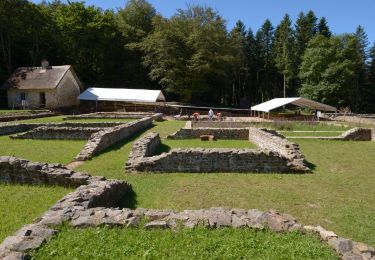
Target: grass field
{"type": "Point", "coordinates": [118, 243]}
{"type": "Point", "coordinates": [20, 204]}
{"type": "Point", "coordinates": [337, 195]}
{"type": "Point", "coordinates": [54, 151]}
{"type": "Point", "coordinates": [167, 145]}
{"type": "Point", "coordinates": [301, 126]}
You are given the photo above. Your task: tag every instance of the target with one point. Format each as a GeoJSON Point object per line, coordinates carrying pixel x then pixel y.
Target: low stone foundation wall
{"type": "Point", "coordinates": [58, 133]}
{"type": "Point", "coordinates": [358, 134]}
{"type": "Point", "coordinates": [92, 205]}
{"type": "Point", "coordinates": [92, 192]}
{"type": "Point", "coordinates": [123, 115]}
{"type": "Point", "coordinates": [105, 138]}
{"type": "Point", "coordinates": [228, 133]}
{"type": "Point", "coordinates": [13, 128]}
{"type": "Point", "coordinates": [145, 147]}
{"type": "Point", "coordinates": [22, 116]}
{"type": "Point", "coordinates": [355, 119]}
{"type": "Point", "coordinates": [273, 141]}
{"type": "Point", "coordinates": [16, 170]}
{"type": "Point", "coordinates": [268, 159]}
{"type": "Point", "coordinates": [212, 160]}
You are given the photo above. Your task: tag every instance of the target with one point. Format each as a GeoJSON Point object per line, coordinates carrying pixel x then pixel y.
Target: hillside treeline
{"type": "Point", "coordinates": [192, 55]}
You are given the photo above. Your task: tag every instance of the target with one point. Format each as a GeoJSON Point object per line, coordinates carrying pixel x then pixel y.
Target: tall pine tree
{"type": "Point", "coordinates": [285, 57]}
{"type": "Point", "coordinates": [362, 96]}
{"type": "Point", "coordinates": [323, 28]}
{"type": "Point", "coordinates": [265, 54]}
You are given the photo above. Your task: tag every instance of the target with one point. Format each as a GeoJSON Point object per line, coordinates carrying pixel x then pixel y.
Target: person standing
{"type": "Point", "coordinates": [210, 114]}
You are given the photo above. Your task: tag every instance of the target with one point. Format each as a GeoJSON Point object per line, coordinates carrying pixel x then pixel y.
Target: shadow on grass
{"type": "Point", "coordinates": [120, 144]}
{"type": "Point", "coordinates": [310, 165]}
{"type": "Point", "coordinates": [163, 148]}
{"type": "Point", "coordinates": [129, 200]}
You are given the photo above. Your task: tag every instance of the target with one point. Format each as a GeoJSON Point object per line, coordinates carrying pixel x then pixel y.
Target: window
{"type": "Point", "coordinates": [23, 96]}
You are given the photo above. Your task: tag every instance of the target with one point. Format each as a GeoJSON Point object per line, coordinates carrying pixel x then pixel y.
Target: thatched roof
{"type": "Point", "coordinates": [28, 78]}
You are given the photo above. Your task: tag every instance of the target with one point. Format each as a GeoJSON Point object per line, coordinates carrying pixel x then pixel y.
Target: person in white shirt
{"type": "Point", "coordinates": [210, 114]}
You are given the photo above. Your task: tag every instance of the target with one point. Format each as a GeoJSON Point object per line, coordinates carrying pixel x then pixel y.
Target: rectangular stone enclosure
{"type": "Point", "coordinates": [275, 153]}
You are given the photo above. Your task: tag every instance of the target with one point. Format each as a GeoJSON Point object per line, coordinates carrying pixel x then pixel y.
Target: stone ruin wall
{"type": "Point", "coordinates": [107, 137]}
{"type": "Point", "coordinates": [91, 192]}
{"type": "Point", "coordinates": [92, 205]}
{"type": "Point", "coordinates": [58, 133]}
{"type": "Point", "coordinates": [144, 147]}
{"type": "Point", "coordinates": [22, 116]}
{"type": "Point", "coordinates": [13, 128]}
{"type": "Point", "coordinates": [358, 134]}
{"type": "Point", "coordinates": [206, 160]}
{"type": "Point", "coordinates": [273, 141]}
{"type": "Point", "coordinates": [355, 119]}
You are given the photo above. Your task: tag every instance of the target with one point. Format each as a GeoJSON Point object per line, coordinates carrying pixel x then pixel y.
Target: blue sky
{"type": "Point", "coordinates": [342, 15]}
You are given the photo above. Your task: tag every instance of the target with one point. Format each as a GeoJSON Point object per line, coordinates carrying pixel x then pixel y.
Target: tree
{"type": "Point", "coordinates": [189, 55]}
{"type": "Point", "coordinates": [327, 70]}
{"type": "Point", "coordinates": [362, 96]}
{"type": "Point", "coordinates": [306, 29]}
{"type": "Point", "coordinates": [323, 28]}
{"type": "Point", "coordinates": [239, 67]}
{"type": "Point", "coordinates": [285, 51]}
{"type": "Point", "coordinates": [135, 23]}
{"type": "Point", "coordinates": [266, 72]}
{"type": "Point", "coordinates": [89, 39]}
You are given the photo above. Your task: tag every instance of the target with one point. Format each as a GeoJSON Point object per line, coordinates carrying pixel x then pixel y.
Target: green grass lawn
{"type": "Point", "coordinates": [59, 119]}
{"type": "Point", "coordinates": [54, 151]}
{"type": "Point", "coordinates": [308, 126]}
{"type": "Point", "coordinates": [20, 204]}
{"type": "Point", "coordinates": [338, 195]}
{"type": "Point", "coordinates": [167, 145]}
{"type": "Point", "coordinates": [335, 196]}
{"type": "Point", "coordinates": [119, 243]}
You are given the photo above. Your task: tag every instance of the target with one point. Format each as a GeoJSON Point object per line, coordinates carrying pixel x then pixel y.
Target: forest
{"type": "Point", "coordinates": [192, 56]}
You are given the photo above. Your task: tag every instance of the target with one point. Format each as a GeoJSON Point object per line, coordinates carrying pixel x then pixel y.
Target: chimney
{"type": "Point", "coordinates": [45, 64]}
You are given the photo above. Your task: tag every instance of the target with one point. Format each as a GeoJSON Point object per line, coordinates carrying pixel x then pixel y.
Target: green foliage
{"type": "Point", "coordinates": [191, 55]}
{"type": "Point", "coordinates": [21, 204]}
{"type": "Point", "coordinates": [266, 73]}
{"type": "Point", "coordinates": [184, 56]}
{"type": "Point", "coordinates": [323, 28]}
{"type": "Point", "coordinates": [285, 49]}
{"type": "Point", "coordinates": [225, 243]}
{"type": "Point", "coordinates": [327, 70]}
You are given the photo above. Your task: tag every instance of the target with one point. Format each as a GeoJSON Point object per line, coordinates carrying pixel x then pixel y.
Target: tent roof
{"type": "Point", "coordinates": [298, 101]}
{"type": "Point", "coordinates": [122, 94]}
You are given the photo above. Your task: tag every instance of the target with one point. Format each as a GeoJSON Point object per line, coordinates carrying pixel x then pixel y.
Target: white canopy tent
{"type": "Point", "coordinates": [297, 101]}
{"type": "Point", "coordinates": [122, 94]}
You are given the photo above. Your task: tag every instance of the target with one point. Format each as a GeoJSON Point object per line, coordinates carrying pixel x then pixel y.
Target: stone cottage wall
{"type": "Point", "coordinates": [105, 138]}
{"type": "Point", "coordinates": [228, 133]}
